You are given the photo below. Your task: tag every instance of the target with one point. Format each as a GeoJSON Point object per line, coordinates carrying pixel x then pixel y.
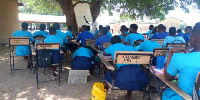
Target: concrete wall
{"type": "Point", "coordinates": [8, 19]}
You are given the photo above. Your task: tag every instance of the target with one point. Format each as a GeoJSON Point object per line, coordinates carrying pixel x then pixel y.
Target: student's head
{"type": "Point", "coordinates": [88, 28]}
{"type": "Point", "coordinates": [172, 31]}
{"type": "Point", "coordinates": [154, 30]}
{"type": "Point", "coordinates": [123, 29]}
{"type": "Point", "coordinates": [103, 31]}
{"type": "Point", "coordinates": [160, 28]}
{"type": "Point", "coordinates": [52, 31]}
{"type": "Point", "coordinates": [56, 25]}
{"type": "Point", "coordinates": [108, 27]}
{"type": "Point", "coordinates": [195, 37]}
{"type": "Point", "coordinates": [115, 39]}
{"type": "Point", "coordinates": [151, 27]}
{"type": "Point", "coordinates": [69, 28]}
{"type": "Point", "coordinates": [100, 27]}
{"type": "Point", "coordinates": [24, 26]}
{"type": "Point", "coordinates": [83, 28]}
{"type": "Point", "coordinates": [188, 29]}
{"type": "Point", "coordinates": [42, 27]}
{"type": "Point", "coordinates": [179, 31]}
{"type": "Point", "coordinates": [133, 28]}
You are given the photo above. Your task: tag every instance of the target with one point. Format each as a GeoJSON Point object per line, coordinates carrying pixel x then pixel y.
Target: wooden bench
{"type": "Point", "coordinates": [90, 42]}
{"type": "Point", "coordinates": [176, 45]}
{"type": "Point", "coordinates": [160, 41]}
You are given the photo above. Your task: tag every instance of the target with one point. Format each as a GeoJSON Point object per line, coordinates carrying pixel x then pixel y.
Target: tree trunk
{"type": "Point", "coordinates": [8, 18]}
{"type": "Point", "coordinates": [68, 10]}
{"type": "Point", "coordinates": [95, 8]}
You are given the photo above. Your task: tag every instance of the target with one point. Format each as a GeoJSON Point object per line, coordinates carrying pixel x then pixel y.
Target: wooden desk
{"type": "Point", "coordinates": [99, 51]}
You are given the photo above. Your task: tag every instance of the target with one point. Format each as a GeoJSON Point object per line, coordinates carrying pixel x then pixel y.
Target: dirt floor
{"type": "Point", "coordinates": [21, 85]}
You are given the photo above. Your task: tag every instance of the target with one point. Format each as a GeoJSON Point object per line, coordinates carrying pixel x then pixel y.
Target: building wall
{"type": "Point", "coordinates": [8, 18]}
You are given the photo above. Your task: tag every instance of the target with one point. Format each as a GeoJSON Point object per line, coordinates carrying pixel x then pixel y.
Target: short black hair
{"type": "Point", "coordinates": [179, 31]}
{"type": "Point", "coordinates": [24, 25]}
{"type": "Point", "coordinates": [196, 29]}
{"type": "Point", "coordinates": [134, 26]}
{"type": "Point", "coordinates": [189, 27]}
{"type": "Point", "coordinates": [42, 26]}
{"type": "Point", "coordinates": [52, 30]}
{"type": "Point", "coordinates": [115, 39]}
{"type": "Point", "coordinates": [127, 29]}
{"type": "Point", "coordinates": [123, 27]}
{"type": "Point", "coordinates": [104, 30]}
{"type": "Point", "coordinates": [56, 25]}
{"type": "Point", "coordinates": [100, 27]}
{"type": "Point", "coordinates": [84, 27]}
{"type": "Point", "coordinates": [161, 27]}
{"type": "Point", "coordinates": [88, 28]}
{"type": "Point", "coordinates": [108, 27]}
{"type": "Point", "coordinates": [151, 27]}
{"type": "Point", "coordinates": [172, 31]}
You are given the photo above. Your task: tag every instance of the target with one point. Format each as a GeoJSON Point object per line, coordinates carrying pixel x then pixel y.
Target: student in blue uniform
{"type": "Point", "coordinates": [84, 35]}
{"type": "Point", "coordinates": [148, 46]}
{"type": "Point", "coordinates": [108, 33]}
{"type": "Point", "coordinates": [88, 29]}
{"type": "Point", "coordinates": [69, 32]}
{"type": "Point", "coordinates": [123, 32]}
{"type": "Point", "coordinates": [153, 32]}
{"type": "Point", "coordinates": [151, 27]}
{"type": "Point", "coordinates": [180, 33]}
{"type": "Point", "coordinates": [102, 38]}
{"type": "Point", "coordinates": [97, 32]}
{"type": "Point", "coordinates": [60, 34]}
{"type": "Point", "coordinates": [52, 38]}
{"type": "Point", "coordinates": [133, 35]}
{"type": "Point", "coordinates": [125, 75]}
{"type": "Point", "coordinates": [82, 59]}
{"type": "Point", "coordinates": [172, 38]}
{"type": "Point", "coordinates": [188, 31]}
{"type": "Point", "coordinates": [160, 32]}
{"type": "Point", "coordinates": [24, 50]}
{"type": "Point", "coordinates": [42, 31]}
{"type": "Point", "coordinates": [186, 65]}
{"type": "Point", "coordinates": [165, 31]}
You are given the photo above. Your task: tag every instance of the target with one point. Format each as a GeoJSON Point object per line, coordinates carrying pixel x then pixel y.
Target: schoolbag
{"type": "Point", "coordinates": [45, 58]}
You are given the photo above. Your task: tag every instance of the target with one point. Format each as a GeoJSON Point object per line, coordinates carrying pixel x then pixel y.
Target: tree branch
{"type": "Point", "coordinates": [81, 2]}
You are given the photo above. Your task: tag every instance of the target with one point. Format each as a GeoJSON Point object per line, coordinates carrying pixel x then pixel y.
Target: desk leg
{"type": "Point", "coordinates": [158, 85]}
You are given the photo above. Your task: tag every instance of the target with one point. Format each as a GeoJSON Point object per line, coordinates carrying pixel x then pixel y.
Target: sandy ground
{"type": "Point", "coordinates": [21, 85]}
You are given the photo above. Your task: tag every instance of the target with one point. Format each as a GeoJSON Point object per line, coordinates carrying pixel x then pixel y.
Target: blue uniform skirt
{"type": "Point", "coordinates": [81, 63]}
{"type": "Point", "coordinates": [128, 77]}
{"type": "Point", "coordinates": [56, 58]}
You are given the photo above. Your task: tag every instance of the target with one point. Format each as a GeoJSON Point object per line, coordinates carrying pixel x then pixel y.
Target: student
{"type": "Point", "coordinates": [102, 38]}
{"type": "Point", "coordinates": [153, 32]}
{"type": "Point", "coordinates": [160, 32]}
{"type": "Point", "coordinates": [123, 32]}
{"type": "Point", "coordinates": [180, 33]}
{"type": "Point", "coordinates": [82, 59]}
{"type": "Point", "coordinates": [172, 38]}
{"type": "Point", "coordinates": [52, 38]}
{"type": "Point", "coordinates": [59, 33]}
{"type": "Point", "coordinates": [69, 32]}
{"type": "Point", "coordinates": [165, 32]}
{"type": "Point", "coordinates": [188, 31]}
{"type": "Point", "coordinates": [41, 32]}
{"type": "Point", "coordinates": [84, 35]}
{"type": "Point", "coordinates": [148, 46]}
{"type": "Point", "coordinates": [151, 27]}
{"type": "Point", "coordinates": [24, 50]}
{"type": "Point", "coordinates": [88, 29]}
{"type": "Point", "coordinates": [185, 65]}
{"type": "Point", "coordinates": [125, 75]}
{"type": "Point", "coordinates": [133, 35]}
{"type": "Point", "coordinates": [108, 33]}
{"type": "Point", "coordinates": [98, 31]}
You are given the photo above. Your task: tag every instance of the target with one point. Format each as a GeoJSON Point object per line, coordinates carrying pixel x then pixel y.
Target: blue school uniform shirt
{"type": "Point", "coordinates": [148, 46]}
{"type": "Point", "coordinates": [101, 39]}
{"type": "Point", "coordinates": [132, 37]}
{"type": "Point", "coordinates": [109, 34]}
{"type": "Point", "coordinates": [118, 47]}
{"type": "Point", "coordinates": [83, 52]}
{"type": "Point", "coordinates": [69, 33]}
{"type": "Point", "coordinates": [187, 67]}
{"type": "Point", "coordinates": [148, 32]}
{"type": "Point", "coordinates": [159, 36]}
{"type": "Point", "coordinates": [83, 36]}
{"type": "Point", "coordinates": [180, 34]}
{"type": "Point", "coordinates": [187, 37]}
{"type": "Point", "coordinates": [44, 33]}
{"type": "Point", "coordinates": [53, 39]}
{"type": "Point", "coordinates": [97, 32]}
{"type": "Point", "coordinates": [92, 33]}
{"type": "Point", "coordinates": [62, 35]}
{"type": "Point", "coordinates": [122, 37]}
{"type": "Point", "coordinates": [127, 32]}
{"type": "Point", "coordinates": [173, 39]}
{"type": "Point", "coordinates": [23, 50]}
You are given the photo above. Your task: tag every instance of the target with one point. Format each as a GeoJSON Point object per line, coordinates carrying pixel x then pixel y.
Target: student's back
{"type": "Point", "coordinates": [173, 39]}
{"type": "Point", "coordinates": [53, 39]}
{"type": "Point", "coordinates": [83, 52]}
{"type": "Point", "coordinates": [84, 35]}
{"type": "Point", "coordinates": [148, 46]}
{"type": "Point", "coordinates": [62, 35]}
{"type": "Point", "coordinates": [180, 34]}
{"type": "Point", "coordinates": [133, 37]}
{"type": "Point", "coordinates": [37, 33]}
{"type": "Point", "coordinates": [69, 33]}
{"type": "Point", "coordinates": [159, 36]}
